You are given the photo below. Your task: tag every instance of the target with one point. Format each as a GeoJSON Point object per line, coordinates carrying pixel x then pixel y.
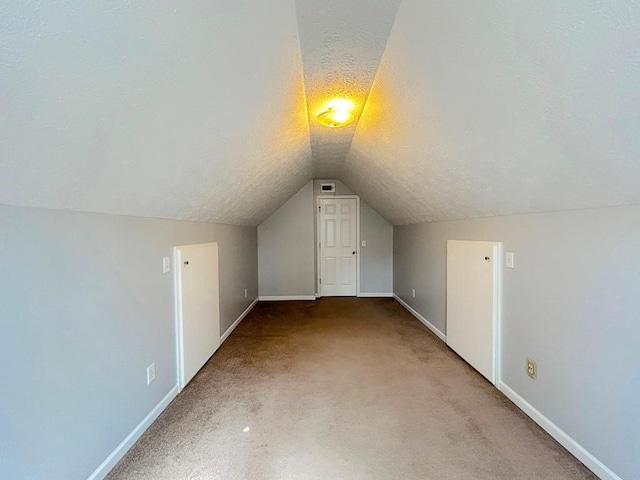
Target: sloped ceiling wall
{"type": "Point", "coordinates": [199, 111]}
{"type": "Point", "coordinates": [189, 110]}
{"type": "Point", "coordinates": [342, 43]}
{"type": "Point", "coordinates": [492, 108]}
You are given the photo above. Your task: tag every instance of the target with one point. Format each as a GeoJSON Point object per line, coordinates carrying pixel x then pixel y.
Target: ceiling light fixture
{"type": "Point", "coordinates": [337, 113]}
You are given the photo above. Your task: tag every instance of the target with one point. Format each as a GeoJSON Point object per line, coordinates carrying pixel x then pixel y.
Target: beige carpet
{"type": "Point", "coordinates": [342, 388]}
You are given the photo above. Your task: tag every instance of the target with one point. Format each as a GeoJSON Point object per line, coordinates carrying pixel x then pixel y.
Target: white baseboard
{"type": "Point", "coordinates": [426, 322]}
{"type": "Point", "coordinates": [577, 450]}
{"type": "Point", "coordinates": [281, 298]}
{"type": "Point", "coordinates": [110, 462]}
{"type": "Point", "coordinates": [375, 295]}
{"type": "Point", "coordinates": [226, 334]}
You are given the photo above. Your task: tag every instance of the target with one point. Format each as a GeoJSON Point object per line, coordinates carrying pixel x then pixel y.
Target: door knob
{"type": "Point", "coordinates": [354, 252]}
{"type": "Point", "coordinates": [487, 258]}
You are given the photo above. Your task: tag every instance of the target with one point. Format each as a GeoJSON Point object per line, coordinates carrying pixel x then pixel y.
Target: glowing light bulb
{"type": "Point", "coordinates": [341, 104]}
{"type": "Point", "coordinates": [337, 113]}
{"type": "Point", "coordinates": [341, 116]}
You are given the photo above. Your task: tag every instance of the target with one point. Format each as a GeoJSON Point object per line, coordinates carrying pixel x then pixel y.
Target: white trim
{"type": "Point", "coordinates": [498, 265]}
{"type": "Point", "coordinates": [280, 298]}
{"type": "Point", "coordinates": [358, 245]}
{"type": "Point", "coordinates": [358, 251]}
{"type": "Point", "coordinates": [115, 456]}
{"type": "Point", "coordinates": [375, 295]}
{"type": "Point", "coordinates": [226, 334]}
{"type": "Point", "coordinates": [577, 450]}
{"type": "Point", "coordinates": [426, 322]}
{"type": "Point", "coordinates": [177, 306]}
{"type": "Point", "coordinates": [496, 252]}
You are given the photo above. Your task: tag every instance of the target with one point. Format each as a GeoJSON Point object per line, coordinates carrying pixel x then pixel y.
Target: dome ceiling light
{"type": "Point", "coordinates": [337, 113]}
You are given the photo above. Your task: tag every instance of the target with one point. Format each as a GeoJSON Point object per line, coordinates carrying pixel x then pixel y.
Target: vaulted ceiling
{"type": "Point", "coordinates": [206, 110]}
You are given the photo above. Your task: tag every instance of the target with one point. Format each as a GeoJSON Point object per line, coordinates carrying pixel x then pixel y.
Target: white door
{"type": "Point", "coordinates": [472, 303]}
{"type": "Point", "coordinates": [338, 247]}
{"type": "Point", "coordinates": [197, 307]}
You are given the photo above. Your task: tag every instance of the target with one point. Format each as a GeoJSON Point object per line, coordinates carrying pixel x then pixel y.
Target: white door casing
{"type": "Point", "coordinates": [338, 246]}
{"type": "Point", "coordinates": [197, 307]}
{"type": "Point", "coordinates": [473, 303]}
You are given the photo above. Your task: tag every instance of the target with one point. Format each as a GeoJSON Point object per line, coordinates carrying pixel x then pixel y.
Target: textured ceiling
{"type": "Point", "coordinates": [492, 108]}
{"type": "Point", "coordinates": [189, 110]}
{"type": "Point", "coordinates": [342, 42]}
{"type": "Point", "coordinates": [198, 110]}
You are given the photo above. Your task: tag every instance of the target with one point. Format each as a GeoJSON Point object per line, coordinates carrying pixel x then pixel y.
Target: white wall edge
{"type": "Point", "coordinates": [375, 295]}
{"type": "Point", "coordinates": [226, 334]}
{"type": "Point", "coordinates": [115, 456]}
{"type": "Point", "coordinates": [426, 322]}
{"type": "Point", "coordinates": [281, 298]}
{"type": "Point", "coordinates": [577, 450]}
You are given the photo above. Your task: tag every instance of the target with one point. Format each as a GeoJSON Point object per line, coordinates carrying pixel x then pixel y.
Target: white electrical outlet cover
{"type": "Point", "coordinates": [166, 264]}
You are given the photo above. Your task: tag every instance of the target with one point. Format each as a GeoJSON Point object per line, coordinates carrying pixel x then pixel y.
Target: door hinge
{"type": "Point", "coordinates": [320, 281]}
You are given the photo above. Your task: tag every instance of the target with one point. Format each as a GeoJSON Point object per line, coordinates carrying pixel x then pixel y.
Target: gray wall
{"type": "Point", "coordinates": [376, 259]}
{"type": "Point", "coordinates": [572, 304]}
{"type": "Point", "coordinates": [286, 248]}
{"type": "Point", "coordinates": [85, 309]}
{"type": "Point", "coordinates": [287, 254]}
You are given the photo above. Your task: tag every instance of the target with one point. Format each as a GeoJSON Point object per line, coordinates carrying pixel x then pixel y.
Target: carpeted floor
{"type": "Point", "coordinates": [342, 388]}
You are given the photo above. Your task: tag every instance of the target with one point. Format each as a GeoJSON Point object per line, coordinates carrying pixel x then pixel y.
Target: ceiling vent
{"type": "Point", "coordinates": [328, 188]}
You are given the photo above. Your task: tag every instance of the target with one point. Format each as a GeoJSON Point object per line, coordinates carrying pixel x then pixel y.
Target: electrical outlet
{"type": "Point", "coordinates": [166, 265]}
{"type": "Point", "coordinates": [151, 373]}
{"type": "Point", "coordinates": [246, 292]}
{"type": "Point", "coordinates": [413, 292]}
{"type": "Point", "coordinates": [532, 368]}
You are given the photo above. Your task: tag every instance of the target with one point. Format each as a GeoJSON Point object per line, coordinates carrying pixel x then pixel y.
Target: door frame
{"type": "Point", "coordinates": [318, 237]}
